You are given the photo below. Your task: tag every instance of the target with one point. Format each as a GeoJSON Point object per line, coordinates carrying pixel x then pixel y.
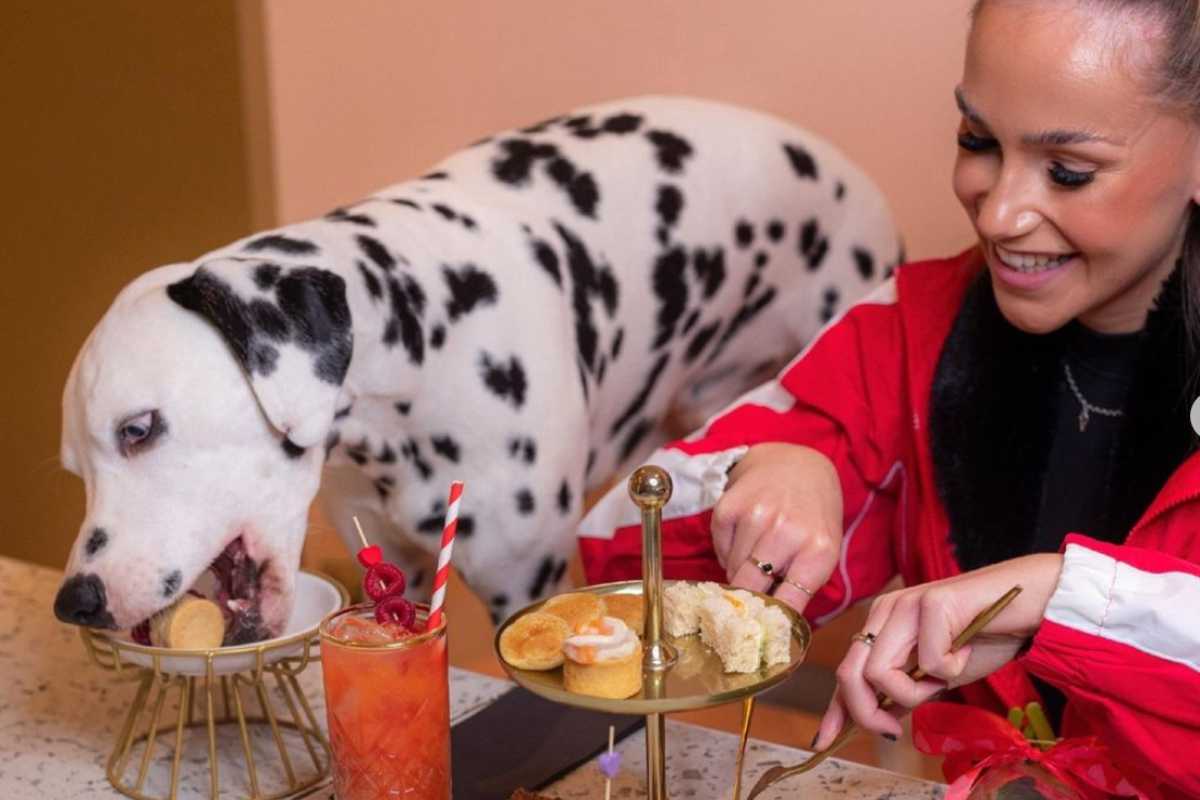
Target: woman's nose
{"type": "Point", "coordinates": [1006, 209]}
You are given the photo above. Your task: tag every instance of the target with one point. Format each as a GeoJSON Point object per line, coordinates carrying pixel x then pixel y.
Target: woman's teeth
{"type": "Point", "coordinates": [1031, 264]}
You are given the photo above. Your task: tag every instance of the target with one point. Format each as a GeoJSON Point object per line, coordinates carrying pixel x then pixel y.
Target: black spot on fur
{"type": "Point", "coordinates": [386, 455]}
{"type": "Point", "coordinates": [519, 155]}
{"type": "Point", "coordinates": [446, 447]}
{"type": "Point", "coordinates": [525, 504]}
{"type": "Point", "coordinates": [292, 450]}
{"type": "Point", "coordinates": [548, 260]}
{"type": "Point", "coordinates": [591, 462]}
{"type": "Point", "coordinates": [96, 542]}
{"type": "Point", "coordinates": [265, 275]}
{"type": "Point", "coordinates": [435, 520]}
{"type": "Point", "coordinates": [524, 448]}
{"type": "Point", "coordinates": [700, 341]}
{"type": "Point", "coordinates": [580, 187]}
{"type": "Point", "coordinates": [751, 284]}
{"type": "Point", "coordinates": [383, 486]}
{"type": "Point", "coordinates": [709, 266]}
{"type": "Point", "coordinates": [506, 381]}
{"type": "Point", "coordinates": [669, 149]}
{"type": "Point", "coordinates": [403, 201]}
{"type": "Point", "coordinates": [543, 578]}
{"type": "Point", "coordinates": [747, 312]}
{"type": "Point", "coordinates": [760, 259]}
{"type": "Point", "coordinates": [829, 306]}
{"type": "Point", "coordinates": [635, 437]}
{"type": "Point", "coordinates": [639, 400]}
{"type": "Point", "coordinates": [541, 127]}
{"type": "Point", "coordinates": [564, 497]}
{"type": "Point", "coordinates": [412, 454]}
{"type": "Point", "coordinates": [743, 234]}
{"type": "Point", "coordinates": [622, 123]}
{"type": "Point", "coordinates": [672, 292]}
{"type": "Point", "coordinates": [282, 244]}
{"type": "Point", "coordinates": [342, 215]}
{"type": "Point", "coordinates": [589, 279]}
{"type": "Point", "coordinates": [437, 337]}
{"type": "Point", "coordinates": [839, 191]}
{"type": "Point", "coordinates": [813, 243]}
{"type": "Point", "coordinates": [801, 161]}
{"type": "Point", "coordinates": [445, 212]}
{"type": "Point", "coordinates": [374, 287]}
{"type": "Point", "coordinates": [171, 584]}
{"type": "Point", "coordinates": [403, 408]}
{"type": "Point", "coordinates": [466, 525]}
{"type": "Point", "coordinates": [467, 222]}
{"type": "Point", "coordinates": [375, 250]}
{"type": "Point", "coordinates": [407, 302]}
{"type": "Point", "coordinates": [469, 287]}
{"type": "Point", "coordinates": [692, 318]}
{"type": "Point", "coordinates": [775, 230]}
{"type": "Point", "coordinates": [865, 263]}
{"type": "Point", "coordinates": [618, 339]}
{"type": "Point", "coordinates": [358, 453]}
{"type": "Point", "coordinates": [669, 204]}
{"type": "Point", "coordinates": [314, 301]}
{"type": "Point", "coordinates": [435, 176]}
{"type": "Point", "coordinates": [342, 413]}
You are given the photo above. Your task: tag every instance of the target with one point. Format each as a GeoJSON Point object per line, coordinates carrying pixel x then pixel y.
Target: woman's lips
{"type": "Point", "coordinates": [1026, 277]}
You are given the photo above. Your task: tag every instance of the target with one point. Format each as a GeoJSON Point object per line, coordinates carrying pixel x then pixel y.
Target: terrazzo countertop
{"type": "Point", "coordinates": [60, 715]}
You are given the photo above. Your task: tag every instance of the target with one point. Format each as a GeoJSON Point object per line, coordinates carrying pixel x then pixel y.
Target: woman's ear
{"type": "Point", "coordinates": [289, 328]}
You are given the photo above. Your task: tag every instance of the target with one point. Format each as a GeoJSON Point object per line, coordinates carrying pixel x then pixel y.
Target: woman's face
{"type": "Point", "coordinates": [1076, 179]}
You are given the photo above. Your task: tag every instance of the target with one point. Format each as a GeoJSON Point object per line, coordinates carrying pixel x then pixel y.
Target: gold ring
{"type": "Point", "coordinates": [795, 585]}
{"type": "Point", "coordinates": [866, 638]}
{"type": "Point", "coordinates": [765, 567]}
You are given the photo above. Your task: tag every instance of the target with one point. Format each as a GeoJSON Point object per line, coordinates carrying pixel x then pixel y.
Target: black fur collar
{"type": "Point", "coordinates": [991, 413]}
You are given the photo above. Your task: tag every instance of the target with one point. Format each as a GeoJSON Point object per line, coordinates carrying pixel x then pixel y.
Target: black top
{"type": "Point", "coordinates": [1080, 467]}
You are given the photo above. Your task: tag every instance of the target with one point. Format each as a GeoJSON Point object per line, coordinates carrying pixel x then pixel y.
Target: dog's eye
{"type": "Point", "coordinates": [135, 433]}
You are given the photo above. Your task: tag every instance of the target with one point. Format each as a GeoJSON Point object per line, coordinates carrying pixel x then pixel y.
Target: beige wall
{"type": "Point", "coordinates": [375, 92]}
{"type": "Point", "coordinates": [123, 149]}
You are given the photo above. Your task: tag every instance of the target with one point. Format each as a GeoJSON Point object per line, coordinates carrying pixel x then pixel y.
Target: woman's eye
{"type": "Point", "coordinates": [137, 432]}
{"type": "Point", "coordinates": [975, 144]}
{"type": "Point", "coordinates": [1069, 177]}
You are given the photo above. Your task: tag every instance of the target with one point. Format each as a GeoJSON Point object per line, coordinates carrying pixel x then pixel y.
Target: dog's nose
{"type": "Point", "coordinates": [81, 601]}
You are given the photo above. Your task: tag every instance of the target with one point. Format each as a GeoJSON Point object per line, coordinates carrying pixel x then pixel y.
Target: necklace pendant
{"type": "Point", "coordinates": [1083, 419]}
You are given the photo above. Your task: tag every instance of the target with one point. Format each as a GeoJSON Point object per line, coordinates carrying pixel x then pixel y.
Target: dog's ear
{"type": "Point", "coordinates": [289, 328]}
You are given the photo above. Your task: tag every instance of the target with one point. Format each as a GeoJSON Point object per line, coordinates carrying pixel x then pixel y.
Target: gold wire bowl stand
{"type": "Point", "coordinates": [678, 674]}
{"type": "Point", "coordinates": [289, 717]}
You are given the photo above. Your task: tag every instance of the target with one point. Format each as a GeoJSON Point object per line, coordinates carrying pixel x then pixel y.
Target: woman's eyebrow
{"type": "Point", "coordinates": [1049, 138]}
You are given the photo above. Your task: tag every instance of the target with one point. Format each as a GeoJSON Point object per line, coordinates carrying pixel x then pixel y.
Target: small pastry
{"type": "Point", "coordinates": [535, 641]}
{"type": "Point", "coordinates": [192, 623]}
{"type": "Point", "coordinates": [777, 636]}
{"type": "Point", "coordinates": [629, 608]}
{"type": "Point", "coordinates": [576, 608]}
{"type": "Point", "coordinates": [603, 659]}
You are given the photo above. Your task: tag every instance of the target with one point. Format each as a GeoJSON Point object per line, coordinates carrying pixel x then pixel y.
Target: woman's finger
{"type": "Point", "coordinates": [809, 570]}
{"type": "Point", "coordinates": [774, 548]}
{"type": "Point", "coordinates": [859, 696]}
{"type": "Point", "coordinates": [754, 522]}
{"type": "Point", "coordinates": [831, 723]}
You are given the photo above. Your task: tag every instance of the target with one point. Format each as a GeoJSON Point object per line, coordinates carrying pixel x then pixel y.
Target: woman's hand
{"type": "Point", "coordinates": [916, 626]}
{"type": "Point", "coordinates": [782, 506]}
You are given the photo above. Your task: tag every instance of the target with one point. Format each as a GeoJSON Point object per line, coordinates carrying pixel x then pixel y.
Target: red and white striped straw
{"type": "Point", "coordinates": [443, 565]}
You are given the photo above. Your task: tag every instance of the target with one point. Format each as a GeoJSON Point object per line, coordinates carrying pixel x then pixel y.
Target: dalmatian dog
{"type": "Point", "coordinates": [523, 318]}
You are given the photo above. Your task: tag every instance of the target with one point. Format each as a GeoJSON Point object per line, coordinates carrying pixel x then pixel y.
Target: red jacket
{"type": "Point", "coordinates": [1121, 636]}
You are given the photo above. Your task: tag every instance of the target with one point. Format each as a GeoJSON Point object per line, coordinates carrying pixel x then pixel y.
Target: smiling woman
{"type": "Point", "coordinates": [1017, 415]}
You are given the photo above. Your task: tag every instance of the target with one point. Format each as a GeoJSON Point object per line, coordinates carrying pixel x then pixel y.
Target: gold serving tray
{"type": "Point", "coordinates": [696, 680]}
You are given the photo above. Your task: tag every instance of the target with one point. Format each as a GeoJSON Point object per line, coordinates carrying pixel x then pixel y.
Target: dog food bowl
{"type": "Point", "coordinates": [220, 699]}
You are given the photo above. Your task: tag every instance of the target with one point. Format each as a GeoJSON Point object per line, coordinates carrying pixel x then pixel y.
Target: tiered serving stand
{"type": "Point", "coordinates": [680, 674]}
{"type": "Point", "coordinates": [230, 686]}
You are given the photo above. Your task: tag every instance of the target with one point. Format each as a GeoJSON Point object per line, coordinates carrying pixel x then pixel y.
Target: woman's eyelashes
{"type": "Point", "coordinates": [1069, 178]}
{"type": "Point", "coordinates": [975, 144]}
{"type": "Point", "coordinates": [1060, 175]}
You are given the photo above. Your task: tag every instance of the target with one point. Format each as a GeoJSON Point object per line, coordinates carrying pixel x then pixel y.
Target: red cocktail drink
{"type": "Point", "coordinates": [387, 700]}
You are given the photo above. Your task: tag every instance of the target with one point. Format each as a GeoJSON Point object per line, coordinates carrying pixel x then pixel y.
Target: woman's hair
{"type": "Point", "coordinates": [1176, 82]}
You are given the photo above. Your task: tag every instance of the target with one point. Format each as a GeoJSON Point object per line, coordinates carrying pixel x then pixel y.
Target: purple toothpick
{"type": "Point", "coordinates": [610, 765]}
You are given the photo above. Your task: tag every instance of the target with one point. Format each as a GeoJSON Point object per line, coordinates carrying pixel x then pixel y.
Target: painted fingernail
{"type": "Point", "coordinates": [891, 737]}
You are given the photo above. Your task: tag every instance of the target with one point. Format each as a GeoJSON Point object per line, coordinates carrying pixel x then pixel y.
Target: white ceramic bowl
{"type": "Point", "coordinates": [316, 597]}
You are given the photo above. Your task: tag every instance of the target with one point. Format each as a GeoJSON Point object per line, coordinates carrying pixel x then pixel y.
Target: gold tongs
{"type": "Point", "coordinates": [779, 773]}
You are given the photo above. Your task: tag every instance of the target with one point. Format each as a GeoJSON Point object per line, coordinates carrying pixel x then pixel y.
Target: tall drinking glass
{"type": "Point", "coordinates": [387, 699]}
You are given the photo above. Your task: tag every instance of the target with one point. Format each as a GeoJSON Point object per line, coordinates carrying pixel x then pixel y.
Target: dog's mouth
{"type": "Point", "coordinates": [234, 581]}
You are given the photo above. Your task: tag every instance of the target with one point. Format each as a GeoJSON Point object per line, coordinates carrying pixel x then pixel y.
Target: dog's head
{"type": "Point", "coordinates": [195, 414]}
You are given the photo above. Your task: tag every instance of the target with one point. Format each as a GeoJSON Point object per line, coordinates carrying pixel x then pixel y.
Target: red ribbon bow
{"type": "Point", "coordinates": [974, 740]}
